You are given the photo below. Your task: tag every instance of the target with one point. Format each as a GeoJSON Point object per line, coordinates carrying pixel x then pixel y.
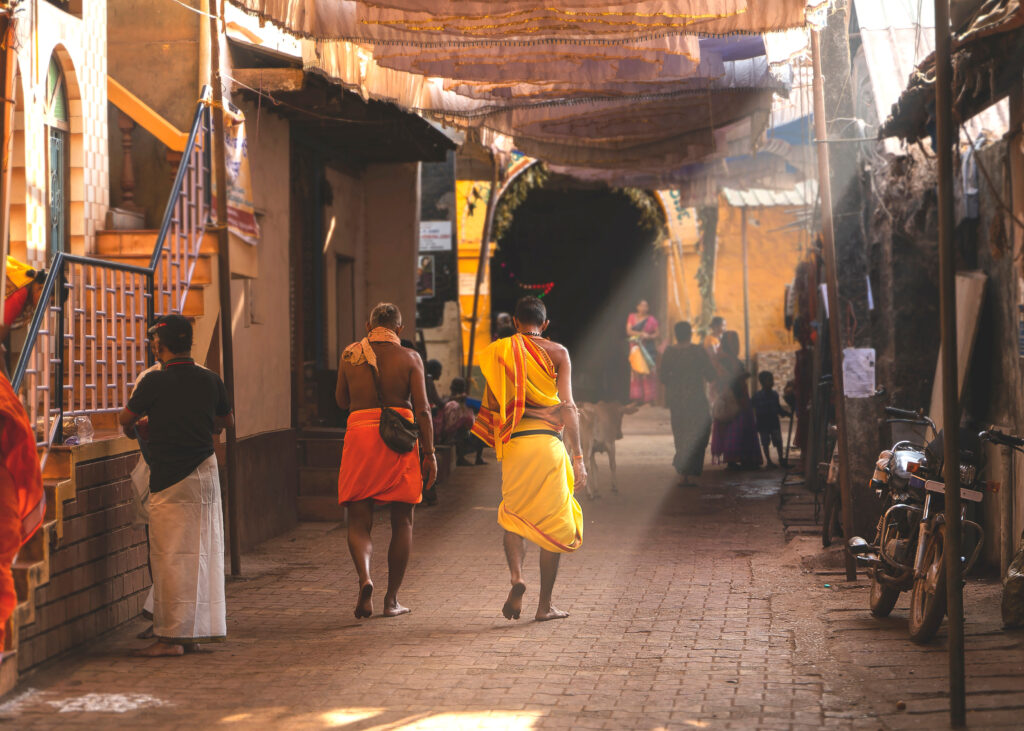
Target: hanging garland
{"type": "Point", "coordinates": [652, 217]}
{"type": "Point", "coordinates": [515, 195]}
{"type": "Point", "coordinates": [707, 223]}
{"type": "Point", "coordinates": [543, 289]}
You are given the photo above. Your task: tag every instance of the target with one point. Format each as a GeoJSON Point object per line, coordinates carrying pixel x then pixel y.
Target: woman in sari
{"type": "Point", "coordinates": [642, 330]}
{"type": "Point", "coordinates": [734, 434]}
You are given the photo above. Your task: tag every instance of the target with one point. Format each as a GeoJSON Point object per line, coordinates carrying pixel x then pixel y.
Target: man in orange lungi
{"type": "Point", "coordinates": [22, 501]}
{"type": "Point", "coordinates": [377, 373]}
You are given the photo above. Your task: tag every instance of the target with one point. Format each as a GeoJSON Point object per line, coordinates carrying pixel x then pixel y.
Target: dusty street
{"type": "Point", "coordinates": [688, 610]}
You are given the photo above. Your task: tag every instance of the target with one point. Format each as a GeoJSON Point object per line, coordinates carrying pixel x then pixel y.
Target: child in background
{"type": "Point", "coordinates": [456, 421]}
{"type": "Point", "coordinates": [768, 409]}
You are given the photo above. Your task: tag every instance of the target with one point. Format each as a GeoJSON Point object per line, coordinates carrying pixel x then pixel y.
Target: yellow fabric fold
{"type": "Point", "coordinates": [537, 491]}
{"type": "Point", "coordinates": [519, 374]}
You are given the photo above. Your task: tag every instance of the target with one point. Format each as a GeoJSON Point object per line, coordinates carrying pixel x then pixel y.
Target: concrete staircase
{"type": "Point", "coordinates": [319, 459]}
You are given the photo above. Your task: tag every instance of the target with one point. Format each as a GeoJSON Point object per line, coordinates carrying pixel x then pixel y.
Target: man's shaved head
{"type": "Point", "coordinates": [386, 314]}
{"type": "Point", "coordinates": [531, 311]}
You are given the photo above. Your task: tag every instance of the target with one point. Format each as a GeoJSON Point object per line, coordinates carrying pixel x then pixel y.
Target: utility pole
{"type": "Point", "coordinates": [746, 293]}
{"type": "Point", "coordinates": [224, 280]}
{"type": "Point", "coordinates": [832, 288]}
{"type": "Point", "coordinates": [481, 267]}
{"type": "Point", "coordinates": [8, 39]}
{"type": "Point", "coordinates": [945, 134]}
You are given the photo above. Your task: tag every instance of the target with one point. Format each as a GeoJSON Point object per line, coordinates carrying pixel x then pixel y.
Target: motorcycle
{"type": "Point", "coordinates": [907, 553]}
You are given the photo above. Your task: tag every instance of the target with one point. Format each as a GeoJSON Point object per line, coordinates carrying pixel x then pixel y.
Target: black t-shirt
{"type": "Point", "coordinates": [181, 401]}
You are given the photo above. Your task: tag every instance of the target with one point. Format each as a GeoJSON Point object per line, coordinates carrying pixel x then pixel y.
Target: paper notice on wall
{"type": "Point", "coordinates": [859, 372]}
{"type": "Point", "coordinates": [435, 235]}
{"type": "Point", "coordinates": [241, 208]}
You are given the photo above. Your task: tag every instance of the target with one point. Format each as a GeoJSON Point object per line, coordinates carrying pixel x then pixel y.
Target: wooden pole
{"type": "Point", "coordinates": [8, 59]}
{"type": "Point", "coordinates": [746, 292]}
{"type": "Point", "coordinates": [481, 267]}
{"type": "Point", "coordinates": [832, 287]}
{"type": "Point", "coordinates": [227, 351]}
{"type": "Point", "coordinates": [946, 136]}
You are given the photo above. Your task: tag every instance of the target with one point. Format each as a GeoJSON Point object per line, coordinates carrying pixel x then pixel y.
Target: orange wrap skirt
{"type": "Point", "coordinates": [370, 470]}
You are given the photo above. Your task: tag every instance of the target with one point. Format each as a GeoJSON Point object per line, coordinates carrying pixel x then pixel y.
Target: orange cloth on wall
{"type": "Point", "coordinates": [22, 502]}
{"type": "Point", "coordinates": [372, 470]}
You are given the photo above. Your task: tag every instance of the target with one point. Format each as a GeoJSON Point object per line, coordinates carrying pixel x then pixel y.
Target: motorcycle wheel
{"type": "Point", "coordinates": [928, 597]}
{"type": "Point", "coordinates": [883, 597]}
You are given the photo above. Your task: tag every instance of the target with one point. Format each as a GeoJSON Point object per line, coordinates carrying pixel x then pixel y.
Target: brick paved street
{"type": "Point", "coordinates": [688, 610]}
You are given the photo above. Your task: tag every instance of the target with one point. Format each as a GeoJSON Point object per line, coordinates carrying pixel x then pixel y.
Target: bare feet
{"type": "Point", "coordinates": [160, 649]}
{"type": "Point", "coordinates": [364, 604]}
{"type": "Point", "coordinates": [551, 613]}
{"type": "Point", "coordinates": [146, 634]}
{"type": "Point", "coordinates": [514, 604]}
{"type": "Point", "coordinates": [393, 609]}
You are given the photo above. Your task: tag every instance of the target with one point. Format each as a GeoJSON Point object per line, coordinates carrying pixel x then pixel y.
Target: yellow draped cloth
{"type": "Point", "coordinates": [536, 472]}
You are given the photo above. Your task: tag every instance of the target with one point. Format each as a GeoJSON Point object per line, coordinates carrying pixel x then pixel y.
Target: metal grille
{"type": "Point", "coordinates": [87, 342]}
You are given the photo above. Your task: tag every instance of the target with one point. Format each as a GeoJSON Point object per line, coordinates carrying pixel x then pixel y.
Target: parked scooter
{"type": "Point", "coordinates": [907, 551]}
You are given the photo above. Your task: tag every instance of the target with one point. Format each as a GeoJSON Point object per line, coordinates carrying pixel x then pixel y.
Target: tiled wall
{"type": "Point", "coordinates": [81, 46]}
{"type": "Point", "coordinates": [99, 573]}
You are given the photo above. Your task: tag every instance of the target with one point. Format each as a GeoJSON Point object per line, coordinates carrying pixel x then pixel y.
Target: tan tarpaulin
{"type": "Point", "coordinates": [441, 21]}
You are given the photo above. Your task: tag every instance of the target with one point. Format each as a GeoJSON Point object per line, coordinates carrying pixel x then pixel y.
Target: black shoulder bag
{"type": "Point", "coordinates": [398, 433]}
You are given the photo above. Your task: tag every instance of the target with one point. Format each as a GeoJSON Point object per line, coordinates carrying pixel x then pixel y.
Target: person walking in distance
{"type": "Point", "coordinates": [533, 377]}
{"type": "Point", "coordinates": [186, 406]}
{"type": "Point", "coordinates": [686, 370]}
{"type": "Point", "coordinates": [767, 410]}
{"type": "Point", "coordinates": [376, 374]}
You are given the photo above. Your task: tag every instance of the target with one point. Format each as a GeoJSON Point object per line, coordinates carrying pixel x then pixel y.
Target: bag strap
{"type": "Point", "coordinates": [376, 384]}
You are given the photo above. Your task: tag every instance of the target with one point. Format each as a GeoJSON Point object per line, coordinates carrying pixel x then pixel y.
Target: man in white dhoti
{"type": "Point", "coordinates": [186, 406]}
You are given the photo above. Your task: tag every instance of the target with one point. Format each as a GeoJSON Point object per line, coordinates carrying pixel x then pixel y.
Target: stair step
{"type": "Point", "coordinates": [139, 242]}
{"type": "Point", "coordinates": [318, 481]}
{"type": "Point", "coordinates": [8, 672]}
{"type": "Point", "coordinates": [324, 453]}
{"type": "Point", "coordinates": [201, 275]}
{"type": "Point", "coordinates": [320, 509]}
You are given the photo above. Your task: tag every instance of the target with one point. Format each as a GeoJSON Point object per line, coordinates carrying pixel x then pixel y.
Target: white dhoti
{"type": "Point", "coordinates": [186, 548]}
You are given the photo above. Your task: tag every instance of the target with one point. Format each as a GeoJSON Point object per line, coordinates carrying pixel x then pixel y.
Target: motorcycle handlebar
{"type": "Point", "coordinates": [903, 413]}
{"type": "Point", "coordinates": [997, 437]}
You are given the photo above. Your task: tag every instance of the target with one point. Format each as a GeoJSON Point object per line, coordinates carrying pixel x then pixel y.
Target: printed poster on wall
{"type": "Point", "coordinates": [425, 281]}
{"type": "Point", "coordinates": [241, 209]}
{"type": "Point", "coordinates": [435, 235]}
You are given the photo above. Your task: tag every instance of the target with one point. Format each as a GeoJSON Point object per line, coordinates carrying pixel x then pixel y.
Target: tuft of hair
{"type": "Point", "coordinates": [766, 378]}
{"type": "Point", "coordinates": [458, 386]}
{"type": "Point", "coordinates": [531, 311]}
{"type": "Point", "coordinates": [386, 314]}
{"type": "Point", "coordinates": [716, 321]}
{"type": "Point", "coordinates": [684, 331]}
{"type": "Point", "coordinates": [434, 368]}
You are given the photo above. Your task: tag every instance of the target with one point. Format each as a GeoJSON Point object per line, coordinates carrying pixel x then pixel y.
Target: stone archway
{"type": "Point", "coordinates": [61, 169]}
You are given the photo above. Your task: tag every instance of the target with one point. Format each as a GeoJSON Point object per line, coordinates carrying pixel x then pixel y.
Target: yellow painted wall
{"type": "Point", "coordinates": [471, 201]}
{"type": "Point", "coordinates": [772, 258]}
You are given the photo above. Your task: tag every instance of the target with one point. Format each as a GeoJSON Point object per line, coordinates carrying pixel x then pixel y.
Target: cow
{"type": "Point", "coordinates": [600, 428]}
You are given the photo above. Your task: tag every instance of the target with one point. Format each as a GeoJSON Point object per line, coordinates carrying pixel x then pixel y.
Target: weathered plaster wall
{"type": "Point", "coordinates": [772, 258]}
{"type": "Point", "coordinates": [346, 309]}
{"type": "Point", "coordinates": [261, 315]}
{"type": "Point", "coordinates": [392, 235]}
{"type": "Point", "coordinates": [146, 35]}
{"type": "Point", "coordinates": [80, 47]}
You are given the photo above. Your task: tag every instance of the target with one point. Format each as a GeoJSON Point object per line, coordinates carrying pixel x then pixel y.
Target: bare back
{"type": "Point", "coordinates": [402, 382]}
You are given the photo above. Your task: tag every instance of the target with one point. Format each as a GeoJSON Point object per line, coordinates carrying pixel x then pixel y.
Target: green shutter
{"type": "Point", "coordinates": [56, 92]}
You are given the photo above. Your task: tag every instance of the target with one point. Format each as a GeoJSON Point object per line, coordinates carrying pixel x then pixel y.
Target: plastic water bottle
{"type": "Point", "coordinates": [83, 426]}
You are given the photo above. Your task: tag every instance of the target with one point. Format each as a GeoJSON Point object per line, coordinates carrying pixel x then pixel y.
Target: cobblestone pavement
{"type": "Point", "coordinates": [688, 610]}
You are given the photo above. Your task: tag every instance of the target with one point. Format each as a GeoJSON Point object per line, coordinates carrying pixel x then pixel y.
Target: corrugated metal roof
{"type": "Point", "coordinates": [894, 44]}
{"type": "Point", "coordinates": [802, 194]}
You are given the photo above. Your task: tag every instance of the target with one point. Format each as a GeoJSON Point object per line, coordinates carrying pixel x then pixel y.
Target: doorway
{"type": "Point", "coordinates": [345, 289]}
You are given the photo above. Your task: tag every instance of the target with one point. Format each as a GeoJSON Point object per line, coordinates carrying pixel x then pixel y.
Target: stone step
{"type": "Point", "coordinates": [318, 481]}
{"type": "Point", "coordinates": [139, 242]}
{"type": "Point", "coordinates": [322, 453]}
{"type": "Point", "coordinates": [201, 275]}
{"type": "Point", "coordinates": [320, 509]}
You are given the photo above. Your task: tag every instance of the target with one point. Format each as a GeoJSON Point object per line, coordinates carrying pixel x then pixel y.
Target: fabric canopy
{"type": "Point", "coordinates": [616, 89]}
{"type": "Point", "coordinates": [431, 22]}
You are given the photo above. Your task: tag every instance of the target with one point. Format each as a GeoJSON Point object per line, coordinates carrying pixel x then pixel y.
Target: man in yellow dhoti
{"type": "Point", "coordinates": [526, 409]}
